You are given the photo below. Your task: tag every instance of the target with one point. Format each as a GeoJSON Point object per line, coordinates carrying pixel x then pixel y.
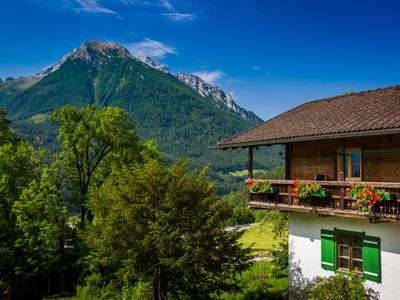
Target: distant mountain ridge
{"type": "Point", "coordinates": [219, 97]}
{"type": "Point", "coordinates": [183, 122]}
{"type": "Point", "coordinates": [205, 89]}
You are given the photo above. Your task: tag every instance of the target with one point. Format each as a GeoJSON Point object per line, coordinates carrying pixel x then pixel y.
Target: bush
{"type": "Point", "coordinates": [281, 258]}
{"type": "Point", "coordinates": [336, 287]}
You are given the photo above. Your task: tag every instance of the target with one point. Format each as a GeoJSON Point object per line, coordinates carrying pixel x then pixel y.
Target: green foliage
{"type": "Point", "coordinates": [40, 216]}
{"type": "Point", "coordinates": [350, 91]}
{"type": "Point", "coordinates": [259, 282]}
{"type": "Point", "coordinates": [366, 195]}
{"type": "Point", "coordinates": [336, 287]}
{"type": "Point", "coordinates": [164, 223]}
{"type": "Point", "coordinates": [281, 257]}
{"type": "Point", "coordinates": [16, 160]}
{"type": "Point", "coordinates": [279, 221]}
{"type": "Point", "coordinates": [241, 213]}
{"type": "Point", "coordinates": [93, 143]}
{"type": "Point", "coordinates": [255, 185]}
{"type": "Point", "coordinates": [305, 190]}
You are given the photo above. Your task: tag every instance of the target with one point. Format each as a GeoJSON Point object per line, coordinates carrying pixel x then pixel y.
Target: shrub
{"type": "Point", "coordinates": [336, 287]}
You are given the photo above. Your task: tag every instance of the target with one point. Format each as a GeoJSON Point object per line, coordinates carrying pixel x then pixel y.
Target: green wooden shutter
{"type": "Point", "coordinates": [328, 250]}
{"type": "Point", "coordinates": [372, 258]}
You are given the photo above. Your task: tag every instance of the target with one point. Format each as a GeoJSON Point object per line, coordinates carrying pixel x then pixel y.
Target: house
{"type": "Point", "coordinates": [340, 142]}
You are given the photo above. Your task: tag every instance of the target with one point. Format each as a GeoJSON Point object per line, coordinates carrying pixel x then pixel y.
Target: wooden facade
{"type": "Point", "coordinates": [380, 158]}
{"type": "Point", "coordinates": [379, 166]}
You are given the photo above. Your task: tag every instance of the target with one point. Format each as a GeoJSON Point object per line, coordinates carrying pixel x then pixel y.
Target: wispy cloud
{"type": "Point", "coordinates": [167, 4]}
{"type": "Point", "coordinates": [154, 49]}
{"type": "Point", "coordinates": [92, 6]}
{"type": "Point", "coordinates": [175, 16]}
{"type": "Point", "coordinates": [256, 68]}
{"type": "Point", "coordinates": [171, 10]}
{"type": "Point", "coordinates": [210, 76]}
{"type": "Point", "coordinates": [234, 81]}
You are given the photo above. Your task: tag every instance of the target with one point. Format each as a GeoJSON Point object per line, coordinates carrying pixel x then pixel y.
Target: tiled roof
{"type": "Point", "coordinates": [354, 114]}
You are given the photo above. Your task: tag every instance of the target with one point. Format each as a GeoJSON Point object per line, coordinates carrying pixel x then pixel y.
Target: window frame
{"type": "Point", "coordinates": [351, 234]}
{"type": "Point", "coordinates": [348, 154]}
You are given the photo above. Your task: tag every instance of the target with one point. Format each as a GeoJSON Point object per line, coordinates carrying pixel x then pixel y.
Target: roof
{"type": "Point", "coordinates": [358, 114]}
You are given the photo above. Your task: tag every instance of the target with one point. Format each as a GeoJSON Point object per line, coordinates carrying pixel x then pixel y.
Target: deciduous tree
{"type": "Point", "coordinates": [93, 143]}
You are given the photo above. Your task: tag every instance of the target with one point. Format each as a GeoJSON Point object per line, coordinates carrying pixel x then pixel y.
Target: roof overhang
{"type": "Point", "coordinates": [309, 138]}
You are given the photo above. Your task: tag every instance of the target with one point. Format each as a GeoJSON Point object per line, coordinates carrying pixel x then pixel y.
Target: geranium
{"type": "Point", "coordinates": [303, 190]}
{"type": "Point", "coordinates": [365, 195]}
{"type": "Point", "coordinates": [255, 185]}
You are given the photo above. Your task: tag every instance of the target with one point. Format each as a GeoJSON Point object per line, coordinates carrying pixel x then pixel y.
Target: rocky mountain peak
{"type": "Point", "coordinates": [97, 47]}
{"type": "Point", "coordinates": [90, 51]}
{"type": "Point", "coordinates": [218, 96]}
{"type": "Point", "coordinates": [154, 64]}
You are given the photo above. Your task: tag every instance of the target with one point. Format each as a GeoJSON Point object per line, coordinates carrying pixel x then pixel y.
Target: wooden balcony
{"type": "Point", "coordinates": [335, 205]}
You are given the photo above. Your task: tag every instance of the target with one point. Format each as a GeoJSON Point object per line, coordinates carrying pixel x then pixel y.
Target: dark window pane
{"type": "Point", "coordinates": [344, 263]}
{"type": "Point", "coordinates": [343, 250]}
{"type": "Point", "coordinates": [357, 253]}
{"type": "Point", "coordinates": [346, 173]}
{"type": "Point", "coordinates": [355, 170]}
{"type": "Point", "coordinates": [356, 158]}
{"type": "Point", "coordinates": [357, 266]}
{"type": "Point", "coordinates": [345, 239]}
{"type": "Point", "coordinates": [357, 241]}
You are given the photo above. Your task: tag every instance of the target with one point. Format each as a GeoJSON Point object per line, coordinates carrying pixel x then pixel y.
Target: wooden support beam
{"type": "Point", "coordinates": [287, 162]}
{"type": "Point", "coordinates": [250, 163]}
{"type": "Point", "coordinates": [342, 160]}
{"type": "Point", "coordinates": [342, 169]}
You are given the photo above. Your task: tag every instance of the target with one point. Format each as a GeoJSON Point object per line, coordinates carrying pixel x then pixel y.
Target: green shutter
{"type": "Point", "coordinates": [328, 250]}
{"type": "Point", "coordinates": [372, 258]}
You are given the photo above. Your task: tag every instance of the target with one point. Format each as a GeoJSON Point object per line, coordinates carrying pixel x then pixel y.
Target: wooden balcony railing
{"type": "Point", "coordinates": [335, 205]}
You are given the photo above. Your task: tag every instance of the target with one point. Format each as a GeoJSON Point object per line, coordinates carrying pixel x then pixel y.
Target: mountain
{"type": "Point", "coordinates": [184, 123]}
{"type": "Point", "coordinates": [154, 64]}
{"type": "Point", "coordinates": [218, 96]}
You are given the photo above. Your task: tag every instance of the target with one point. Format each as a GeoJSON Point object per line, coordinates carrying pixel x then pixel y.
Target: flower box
{"type": "Point", "coordinates": [389, 196]}
{"type": "Point", "coordinates": [272, 190]}
{"type": "Point", "coordinates": [322, 193]}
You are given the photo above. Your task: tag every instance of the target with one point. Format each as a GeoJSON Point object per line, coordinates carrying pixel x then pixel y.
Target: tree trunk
{"type": "Point", "coordinates": [155, 284]}
{"type": "Point", "coordinates": [83, 214]}
{"type": "Point", "coordinates": [49, 279]}
{"type": "Point", "coordinates": [61, 250]}
{"type": "Point", "coordinates": [159, 284]}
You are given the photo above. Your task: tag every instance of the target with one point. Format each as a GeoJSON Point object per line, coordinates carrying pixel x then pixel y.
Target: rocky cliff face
{"type": "Point", "coordinates": [218, 96]}
{"type": "Point", "coordinates": [154, 64]}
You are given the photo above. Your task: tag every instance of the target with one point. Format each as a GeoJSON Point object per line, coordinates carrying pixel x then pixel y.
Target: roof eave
{"type": "Point", "coordinates": [310, 138]}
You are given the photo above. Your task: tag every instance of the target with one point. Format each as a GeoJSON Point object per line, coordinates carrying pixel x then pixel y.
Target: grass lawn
{"type": "Point", "coordinates": [259, 236]}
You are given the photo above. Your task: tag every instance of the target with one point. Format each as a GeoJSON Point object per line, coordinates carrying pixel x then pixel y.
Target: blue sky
{"type": "Point", "coordinates": [272, 55]}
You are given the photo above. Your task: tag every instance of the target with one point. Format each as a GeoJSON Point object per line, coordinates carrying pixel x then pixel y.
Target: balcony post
{"type": "Point", "coordinates": [342, 169]}
{"type": "Point", "coordinates": [287, 162]}
{"type": "Point", "coordinates": [250, 163]}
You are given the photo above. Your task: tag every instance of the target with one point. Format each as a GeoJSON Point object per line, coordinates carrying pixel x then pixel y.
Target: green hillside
{"type": "Point", "coordinates": [183, 123]}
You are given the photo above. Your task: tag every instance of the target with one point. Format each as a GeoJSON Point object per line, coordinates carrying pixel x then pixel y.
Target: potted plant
{"type": "Point", "coordinates": [303, 190]}
{"type": "Point", "coordinates": [260, 186]}
{"type": "Point", "coordinates": [366, 196]}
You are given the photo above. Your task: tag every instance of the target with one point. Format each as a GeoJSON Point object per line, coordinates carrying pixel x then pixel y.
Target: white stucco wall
{"type": "Point", "coordinates": [305, 250]}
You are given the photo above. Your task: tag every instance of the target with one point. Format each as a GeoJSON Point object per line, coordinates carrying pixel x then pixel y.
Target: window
{"type": "Point", "coordinates": [355, 252]}
{"type": "Point", "coordinates": [353, 165]}
{"type": "Point", "coordinates": [349, 252]}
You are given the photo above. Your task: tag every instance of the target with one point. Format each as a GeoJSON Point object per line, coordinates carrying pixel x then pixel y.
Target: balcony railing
{"type": "Point", "coordinates": [334, 205]}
